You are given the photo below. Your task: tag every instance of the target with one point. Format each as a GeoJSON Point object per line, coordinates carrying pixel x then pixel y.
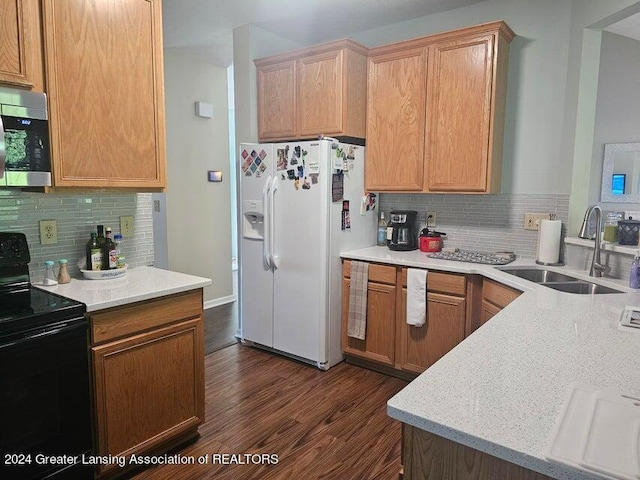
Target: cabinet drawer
{"type": "Point", "coordinates": [377, 273]}
{"type": "Point", "coordinates": [442, 282]}
{"type": "Point", "coordinates": [122, 321]}
{"type": "Point", "coordinates": [498, 294]}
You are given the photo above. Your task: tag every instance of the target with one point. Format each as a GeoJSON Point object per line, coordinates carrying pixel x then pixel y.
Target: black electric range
{"type": "Point", "coordinates": [44, 374]}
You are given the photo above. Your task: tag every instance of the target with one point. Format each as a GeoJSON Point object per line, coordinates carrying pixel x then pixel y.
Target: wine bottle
{"type": "Point", "coordinates": [94, 253]}
{"type": "Point", "coordinates": [110, 254]}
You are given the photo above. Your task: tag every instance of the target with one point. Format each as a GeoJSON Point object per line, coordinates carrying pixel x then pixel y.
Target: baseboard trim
{"type": "Point", "coordinates": [216, 302]}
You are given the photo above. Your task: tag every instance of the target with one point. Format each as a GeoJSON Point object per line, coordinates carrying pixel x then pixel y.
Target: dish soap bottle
{"type": "Point", "coordinates": [634, 278]}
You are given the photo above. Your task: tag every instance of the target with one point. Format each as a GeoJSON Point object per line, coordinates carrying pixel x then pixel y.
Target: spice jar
{"type": "Point", "coordinates": [63, 272]}
{"type": "Point", "coordinates": [611, 227]}
{"type": "Point", "coordinates": [49, 277]}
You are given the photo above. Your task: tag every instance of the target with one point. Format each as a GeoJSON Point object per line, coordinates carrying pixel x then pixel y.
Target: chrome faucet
{"type": "Point", "coordinates": [596, 264]}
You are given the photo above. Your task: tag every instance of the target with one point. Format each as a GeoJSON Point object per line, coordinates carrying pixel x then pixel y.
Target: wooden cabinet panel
{"type": "Point", "coordinates": [276, 100]}
{"type": "Point", "coordinates": [444, 328]}
{"type": "Point", "coordinates": [459, 114]}
{"type": "Point", "coordinates": [148, 388]}
{"type": "Point", "coordinates": [119, 322]}
{"type": "Point", "coordinates": [498, 294]}
{"type": "Point", "coordinates": [312, 91]}
{"type": "Point", "coordinates": [428, 456]}
{"type": "Point", "coordinates": [488, 311]}
{"type": "Point", "coordinates": [495, 296]}
{"type": "Point", "coordinates": [396, 120]}
{"type": "Point", "coordinates": [320, 93]}
{"type": "Point", "coordinates": [21, 63]}
{"type": "Point", "coordinates": [106, 94]}
{"type": "Point", "coordinates": [377, 273]}
{"type": "Point", "coordinates": [378, 344]}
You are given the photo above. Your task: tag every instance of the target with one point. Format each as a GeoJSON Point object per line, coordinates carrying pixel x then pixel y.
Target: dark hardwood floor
{"type": "Point", "coordinates": [321, 425]}
{"type": "Point", "coordinates": [220, 327]}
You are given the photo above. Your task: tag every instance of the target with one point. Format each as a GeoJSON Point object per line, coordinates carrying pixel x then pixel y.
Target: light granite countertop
{"type": "Point", "coordinates": [140, 283]}
{"type": "Point", "coordinates": [501, 389]}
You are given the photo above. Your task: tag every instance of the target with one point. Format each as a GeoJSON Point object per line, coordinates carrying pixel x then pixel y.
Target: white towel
{"type": "Point", "coordinates": [416, 296]}
{"type": "Point", "coordinates": [357, 320]}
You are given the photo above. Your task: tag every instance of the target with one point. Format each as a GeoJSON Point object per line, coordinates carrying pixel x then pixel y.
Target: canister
{"type": "Point", "coordinates": [628, 232]}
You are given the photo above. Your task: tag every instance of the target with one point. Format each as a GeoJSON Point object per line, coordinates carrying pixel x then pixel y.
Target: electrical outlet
{"type": "Point", "coordinates": [431, 219]}
{"type": "Point", "coordinates": [48, 232]}
{"type": "Point", "coordinates": [532, 220]}
{"type": "Point", "coordinates": [126, 226]}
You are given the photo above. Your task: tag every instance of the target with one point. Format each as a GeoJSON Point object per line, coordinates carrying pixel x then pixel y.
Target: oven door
{"type": "Point", "coordinates": [44, 401]}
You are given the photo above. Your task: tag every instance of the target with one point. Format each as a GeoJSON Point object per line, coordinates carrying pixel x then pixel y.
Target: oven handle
{"type": "Point", "coordinates": [65, 327]}
{"type": "Point", "coordinates": [3, 148]}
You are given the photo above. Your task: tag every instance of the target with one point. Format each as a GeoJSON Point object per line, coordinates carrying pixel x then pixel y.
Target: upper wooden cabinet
{"type": "Point", "coordinates": [21, 44]}
{"type": "Point", "coordinates": [106, 95]}
{"type": "Point", "coordinates": [277, 100]}
{"type": "Point", "coordinates": [313, 91]}
{"type": "Point", "coordinates": [441, 131]}
{"type": "Point", "coordinates": [395, 120]}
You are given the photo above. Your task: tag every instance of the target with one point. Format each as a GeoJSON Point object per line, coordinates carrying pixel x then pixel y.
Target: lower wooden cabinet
{"type": "Point", "coordinates": [426, 456]}
{"type": "Point", "coordinates": [389, 340]}
{"type": "Point", "coordinates": [379, 343]}
{"type": "Point", "coordinates": [495, 296]}
{"type": "Point", "coordinates": [148, 369]}
{"type": "Point", "coordinates": [444, 327]}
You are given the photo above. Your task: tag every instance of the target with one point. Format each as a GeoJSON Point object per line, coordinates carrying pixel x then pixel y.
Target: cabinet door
{"type": "Point", "coordinates": [106, 94]}
{"type": "Point", "coordinates": [396, 121]}
{"type": "Point", "coordinates": [21, 40]}
{"type": "Point", "coordinates": [277, 101]}
{"type": "Point", "coordinates": [459, 119]}
{"type": "Point", "coordinates": [422, 346]}
{"type": "Point", "coordinates": [319, 99]}
{"type": "Point", "coordinates": [488, 311]}
{"type": "Point", "coordinates": [378, 344]}
{"type": "Point", "coordinates": [148, 388]}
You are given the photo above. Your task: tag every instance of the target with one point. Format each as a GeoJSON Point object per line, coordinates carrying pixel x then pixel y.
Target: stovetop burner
{"type": "Point", "coordinates": [22, 306]}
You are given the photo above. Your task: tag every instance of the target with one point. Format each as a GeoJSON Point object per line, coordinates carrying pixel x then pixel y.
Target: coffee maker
{"type": "Point", "coordinates": [404, 230]}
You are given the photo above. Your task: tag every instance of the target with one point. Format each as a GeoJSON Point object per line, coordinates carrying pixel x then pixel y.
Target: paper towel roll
{"type": "Point", "coordinates": [549, 241]}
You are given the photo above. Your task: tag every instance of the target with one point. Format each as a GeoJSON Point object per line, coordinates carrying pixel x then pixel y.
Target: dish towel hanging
{"type": "Point", "coordinates": [357, 320]}
{"type": "Point", "coordinates": [416, 296]}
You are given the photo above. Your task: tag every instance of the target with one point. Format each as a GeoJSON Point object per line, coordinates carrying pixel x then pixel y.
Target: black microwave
{"type": "Point", "coordinates": [25, 160]}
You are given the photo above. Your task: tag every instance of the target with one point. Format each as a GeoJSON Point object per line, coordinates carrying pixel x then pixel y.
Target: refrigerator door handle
{"type": "Point", "coordinates": [266, 257]}
{"type": "Point", "coordinates": [273, 258]}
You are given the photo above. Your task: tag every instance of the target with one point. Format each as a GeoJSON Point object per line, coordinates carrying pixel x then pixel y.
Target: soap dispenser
{"type": "Point", "coordinates": [634, 277]}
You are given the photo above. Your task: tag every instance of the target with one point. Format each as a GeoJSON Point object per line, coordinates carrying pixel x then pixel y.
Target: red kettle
{"type": "Point", "coordinates": [430, 240]}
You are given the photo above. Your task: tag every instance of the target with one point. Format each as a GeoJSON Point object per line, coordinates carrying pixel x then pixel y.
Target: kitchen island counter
{"type": "Point", "coordinates": [501, 389]}
{"type": "Point", "coordinates": [140, 283]}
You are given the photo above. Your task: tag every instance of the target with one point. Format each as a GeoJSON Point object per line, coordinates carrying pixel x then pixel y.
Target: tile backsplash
{"type": "Point", "coordinates": [485, 223]}
{"type": "Point", "coordinates": [77, 215]}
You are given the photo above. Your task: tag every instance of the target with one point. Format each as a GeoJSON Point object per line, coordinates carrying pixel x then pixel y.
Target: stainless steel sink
{"type": "Point", "coordinates": [559, 281]}
{"type": "Point", "coordinates": [539, 275]}
{"type": "Point", "coordinates": [580, 287]}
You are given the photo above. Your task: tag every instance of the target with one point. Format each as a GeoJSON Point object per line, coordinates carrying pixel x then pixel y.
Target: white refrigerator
{"type": "Point", "coordinates": [293, 224]}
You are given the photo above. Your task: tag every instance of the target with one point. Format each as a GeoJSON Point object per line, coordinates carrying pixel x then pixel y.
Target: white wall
{"type": "Point", "coordinates": [588, 17]}
{"type": "Point", "coordinates": [198, 211]}
{"type": "Point", "coordinates": [617, 108]}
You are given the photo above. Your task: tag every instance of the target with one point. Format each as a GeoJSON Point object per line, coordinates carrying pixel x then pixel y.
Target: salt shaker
{"type": "Point", "coordinates": [63, 272]}
{"type": "Point", "coordinates": [49, 276]}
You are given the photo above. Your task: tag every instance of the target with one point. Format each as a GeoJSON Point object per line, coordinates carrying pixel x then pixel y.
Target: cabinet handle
{"type": "Point", "coordinates": [266, 244]}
